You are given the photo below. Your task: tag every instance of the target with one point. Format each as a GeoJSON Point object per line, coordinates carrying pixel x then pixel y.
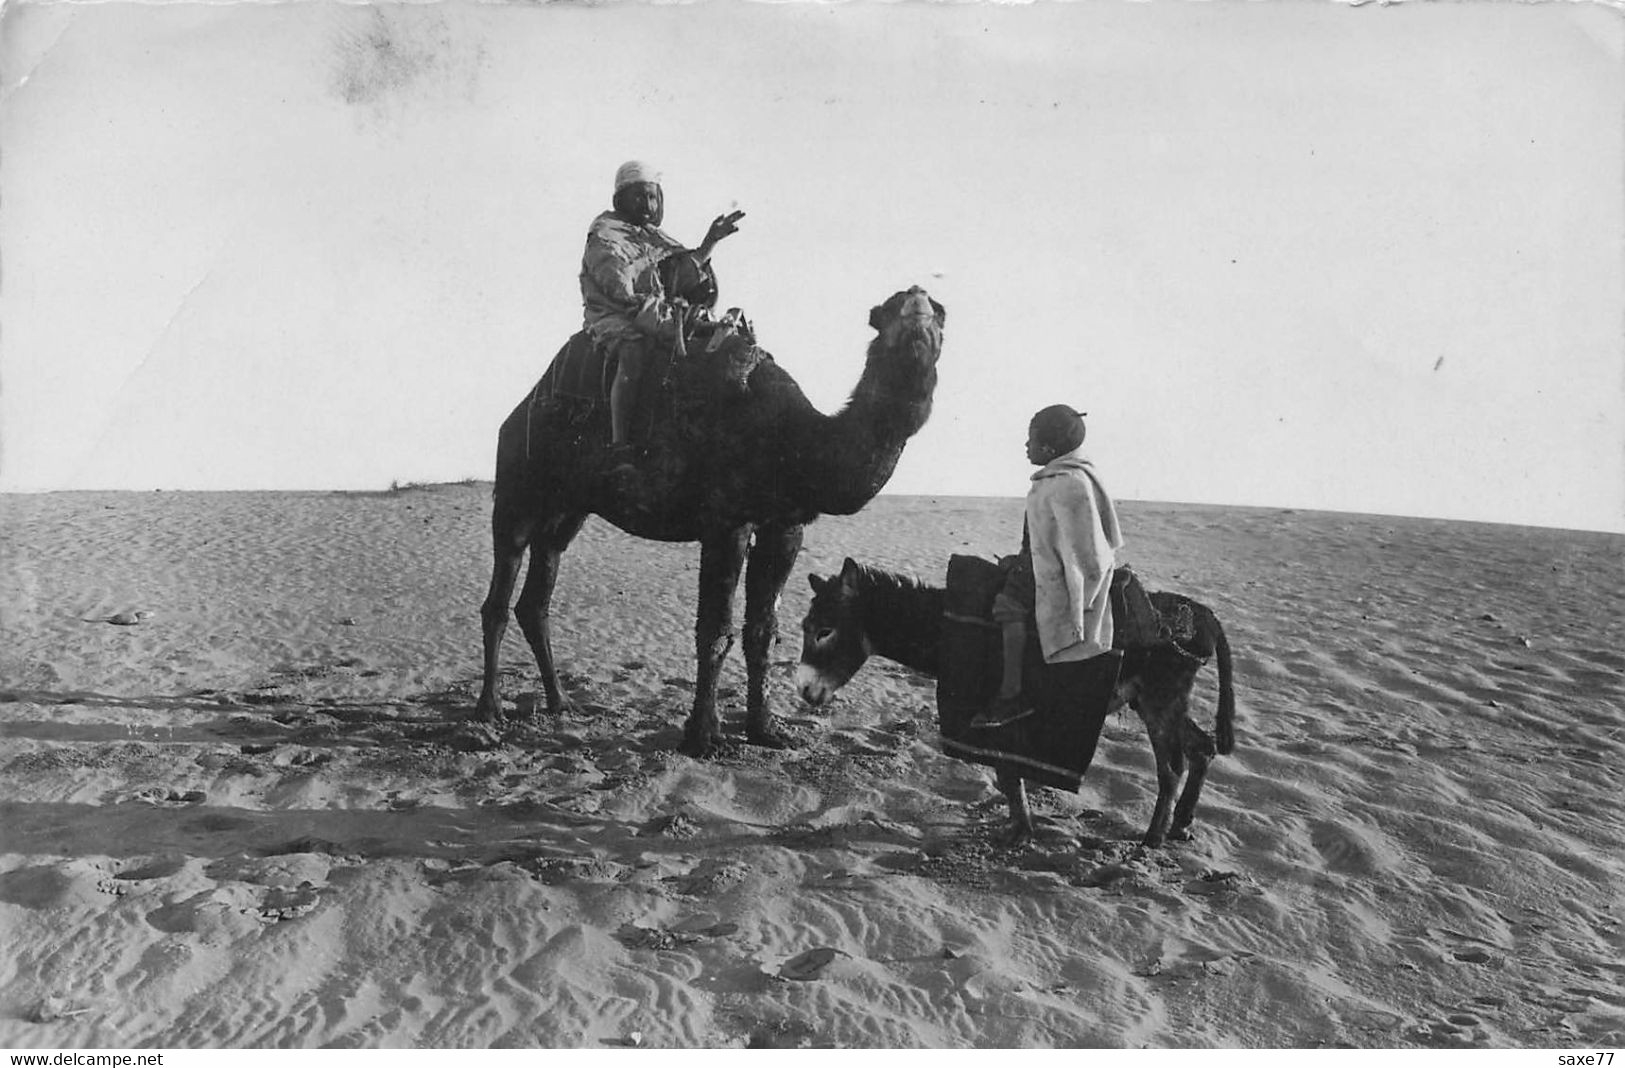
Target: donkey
{"type": "Point", "coordinates": [865, 611]}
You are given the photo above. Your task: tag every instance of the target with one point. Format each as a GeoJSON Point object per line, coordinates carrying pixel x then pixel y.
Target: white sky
{"type": "Point", "coordinates": [1293, 253]}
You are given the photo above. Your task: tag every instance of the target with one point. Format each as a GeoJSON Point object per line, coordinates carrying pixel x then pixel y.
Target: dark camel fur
{"type": "Point", "coordinates": [739, 471]}
{"type": "Point", "coordinates": [864, 611]}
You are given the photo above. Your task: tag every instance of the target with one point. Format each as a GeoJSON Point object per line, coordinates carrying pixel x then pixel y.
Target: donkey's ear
{"type": "Point", "coordinates": [816, 583]}
{"type": "Point", "coordinates": [849, 573]}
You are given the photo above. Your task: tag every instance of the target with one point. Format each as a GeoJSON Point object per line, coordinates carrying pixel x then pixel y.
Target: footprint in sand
{"type": "Point", "coordinates": [1444, 944]}
{"type": "Point", "coordinates": [1453, 1030]}
{"type": "Point", "coordinates": [123, 882]}
{"type": "Point", "coordinates": [709, 878]}
{"type": "Point", "coordinates": [161, 868]}
{"type": "Point", "coordinates": [706, 926]}
{"type": "Point", "coordinates": [678, 825]}
{"type": "Point", "coordinates": [563, 871]}
{"type": "Point", "coordinates": [280, 886]}
{"type": "Point", "coordinates": [783, 1034]}
{"type": "Point", "coordinates": [288, 902]}
{"type": "Point", "coordinates": [223, 912]}
{"type": "Point", "coordinates": [157, 795]}
{"type": "Point", "coordinates": [1222, 885]}
{"type": "Point", "coordinates": [1474, 955]}
{"type": "Point", "coordinates": [54, 1007]}
{"type": "Point", "coordinates": [121, 619]}
{"type": "Point", "coordinates": [687, 933]}
{"type": "Point", "coordinates": [51, 886]}
{"type": "Point", "coordinates": [804, 967]}
{"type": "Point", "coordinates": [1348, 849]}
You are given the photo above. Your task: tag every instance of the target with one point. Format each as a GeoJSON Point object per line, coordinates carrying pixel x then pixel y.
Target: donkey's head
{"type": "Point", "coordinates": [834, 644]}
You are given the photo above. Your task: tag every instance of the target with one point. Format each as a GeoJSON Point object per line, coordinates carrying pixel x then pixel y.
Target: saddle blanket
{"type": "Point", "coordinates": [1056, 743]}
{"type": "Point", "coordinates": [581, 370]}
{"type": "Point", "coordinates": [722, 354]}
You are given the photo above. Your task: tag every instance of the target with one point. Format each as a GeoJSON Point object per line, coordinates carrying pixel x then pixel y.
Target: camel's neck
{"type": "Point", "coordinates": [903, 620]}
{"type": "Point", "coordinates": [862, 443]}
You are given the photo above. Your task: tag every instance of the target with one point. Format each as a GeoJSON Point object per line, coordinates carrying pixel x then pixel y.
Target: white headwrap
{"type": "Point", "coordinates": [635, 171]}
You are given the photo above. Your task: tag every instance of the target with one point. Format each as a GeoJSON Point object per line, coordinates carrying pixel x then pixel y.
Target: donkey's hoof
{"type": "Point", "coordinates": [1014, 835]}
{"type": "Point", "coordinates": [487, 711]}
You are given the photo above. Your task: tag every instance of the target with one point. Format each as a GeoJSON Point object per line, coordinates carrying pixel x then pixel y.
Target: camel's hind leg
{"type": "Point", "coordinates": [509, 538]}
{"type": "Point", "coordinates": [532, 611]}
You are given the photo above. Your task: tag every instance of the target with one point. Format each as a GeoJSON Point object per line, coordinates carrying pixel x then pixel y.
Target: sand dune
{"type": "Point", "coordinates": [257, 817]}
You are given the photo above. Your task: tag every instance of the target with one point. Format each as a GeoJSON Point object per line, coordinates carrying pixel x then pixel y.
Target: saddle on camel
{"type": "Point", "coordinates": [711, 352]}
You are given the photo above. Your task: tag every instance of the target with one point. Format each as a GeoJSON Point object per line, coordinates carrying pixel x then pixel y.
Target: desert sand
{"type": "Point", "coordinates": [257, 817]}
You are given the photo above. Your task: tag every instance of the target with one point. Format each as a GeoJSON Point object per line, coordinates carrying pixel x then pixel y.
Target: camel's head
{"type": "Point", "coordinates": [833, 642]}
{"type": "Point", "coordinates": [910, 321]}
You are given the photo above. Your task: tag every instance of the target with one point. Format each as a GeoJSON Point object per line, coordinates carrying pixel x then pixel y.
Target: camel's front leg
{"type": "Point", "coordinates": [771, 559]}
{"type": "Point", "coordinates": [721, 558]}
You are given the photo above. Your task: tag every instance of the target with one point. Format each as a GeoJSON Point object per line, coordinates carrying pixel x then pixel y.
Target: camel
{"type": "Point", "coordinates": [739, 468]}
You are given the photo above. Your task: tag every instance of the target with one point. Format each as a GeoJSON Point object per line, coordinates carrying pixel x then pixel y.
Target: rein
{"type": "Point", "coordinates": [960, 617]}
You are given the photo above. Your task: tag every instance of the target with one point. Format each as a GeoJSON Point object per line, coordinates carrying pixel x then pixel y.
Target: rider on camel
{"type": "Point", "coordinates": [626, 306]}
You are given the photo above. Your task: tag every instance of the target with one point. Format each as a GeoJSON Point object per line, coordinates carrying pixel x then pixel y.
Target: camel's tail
{"type": "Point", "coordinates": [1224, 727]}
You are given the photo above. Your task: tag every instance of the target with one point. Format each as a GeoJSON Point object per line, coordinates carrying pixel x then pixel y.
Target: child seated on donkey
{"type": "Point", "coordinates": [1063, 577]}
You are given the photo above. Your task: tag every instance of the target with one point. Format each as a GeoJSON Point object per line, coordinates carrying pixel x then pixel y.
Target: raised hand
{"type": "Point", "coordinates": [722, 226]}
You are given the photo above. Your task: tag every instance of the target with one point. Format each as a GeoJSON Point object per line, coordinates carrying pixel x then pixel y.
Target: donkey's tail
{"type": "Point", "coordinates": [1224, 728]}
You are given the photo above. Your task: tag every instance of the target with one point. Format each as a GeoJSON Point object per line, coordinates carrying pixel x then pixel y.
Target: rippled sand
{"type": "Point", "coordinates": [257, 818]}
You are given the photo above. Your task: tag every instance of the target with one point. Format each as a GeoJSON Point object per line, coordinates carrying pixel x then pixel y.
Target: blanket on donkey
{"type": "Point", "coordinates": [1053, 746]}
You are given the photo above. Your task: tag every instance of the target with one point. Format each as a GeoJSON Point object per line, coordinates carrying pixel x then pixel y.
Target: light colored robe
{"type": "Point", "coordinates": [621, 292]}
{"type": "Point", "coordinates": [1074, 536]}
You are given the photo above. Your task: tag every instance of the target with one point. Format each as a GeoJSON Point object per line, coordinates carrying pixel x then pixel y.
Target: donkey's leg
{"type": "Point", "coordinates": [1199, 750]}
{"type": "Point", "coordinates": [509, 536]}
{"type": "Point", "coordinates": [1185, 811]}
{"type": "Point", "coordinates": [771, 557]}
{"type": "Point", "coordinates": [721, 558]}
{"type": "Point", "coordinates": [1169, 761]}
{"type": "Point", "coordinates": [1014, 788]}
{"type": "Point", "coordinates": [532, 611]}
